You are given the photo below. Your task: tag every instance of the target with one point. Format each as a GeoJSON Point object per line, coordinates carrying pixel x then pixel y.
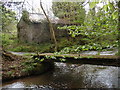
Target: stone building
{"type": "Point", "coordinates": [35, 28]}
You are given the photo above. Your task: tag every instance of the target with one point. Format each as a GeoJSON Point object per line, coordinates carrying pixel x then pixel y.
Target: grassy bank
{"type": "Point", "coordinates": [73, 45]}
{"type": "Point", "coordinates": [11, 43]}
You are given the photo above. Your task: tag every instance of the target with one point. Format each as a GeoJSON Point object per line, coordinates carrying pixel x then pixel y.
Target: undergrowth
{"type": "Point", "coordinates": [11, 43]}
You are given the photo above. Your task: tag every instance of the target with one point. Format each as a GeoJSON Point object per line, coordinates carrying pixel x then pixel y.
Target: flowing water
{"type": "Point", "coordinates": [108, 52]}
{"type": "Point", "coordinates": [70, 76]}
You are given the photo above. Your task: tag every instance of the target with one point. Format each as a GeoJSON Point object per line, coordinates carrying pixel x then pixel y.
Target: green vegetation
{"type": "Point", "coordinates": [8, 19]}
{"type": "Point", "coordinates": [28, 47]}
{"type": "Point", "coordinates": [35, 66]}
{"type": "Point", "coordinates": [10, 73]}
{"type": "Point", "coordinates": [25, 15]}
{"type": "Point", "coordinates": [70, 11]}
{"type": "Point", "coordinates": [94, 30]}
{"type": "Point", "coordinates": [97, 32]}
{"type": "Point", "coordinates": [29, 65]}
{"type": "Point", "coordinates": [9, 38]}
{"type": "Point", "coordinates": [11, 43]}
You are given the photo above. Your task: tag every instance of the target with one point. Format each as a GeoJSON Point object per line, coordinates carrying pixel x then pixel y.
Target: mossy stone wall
{"type": "Point", "coordinates": [37, 32]}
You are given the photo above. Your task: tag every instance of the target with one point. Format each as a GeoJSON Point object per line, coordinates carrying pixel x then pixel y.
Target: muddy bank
{"type": "Point", "coordinates": [14, 66]}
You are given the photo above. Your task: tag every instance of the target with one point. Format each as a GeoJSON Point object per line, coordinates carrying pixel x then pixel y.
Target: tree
{"type": "Point", "coordinates": [71, 11]}
{"type": "Point", "coordinates": [99, 29]}
{"type": "Point", "coordinates": [119, 27]}
{"type": "Point", "coordinates": [8, 19]}
{"type": "Point", "coordinates": [51, 27]}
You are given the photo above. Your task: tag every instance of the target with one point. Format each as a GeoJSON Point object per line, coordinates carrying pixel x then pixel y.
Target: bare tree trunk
{"type": "Point", "coordinates": [119, 13]}
{"type": "Point", "coordinates": [51, 27]}
{"type": "Point", "coordinates": [119, 27]}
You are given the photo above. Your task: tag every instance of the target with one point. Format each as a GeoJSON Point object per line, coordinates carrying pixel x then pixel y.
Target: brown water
{"type": "Point", "coordinates": [70, 76]}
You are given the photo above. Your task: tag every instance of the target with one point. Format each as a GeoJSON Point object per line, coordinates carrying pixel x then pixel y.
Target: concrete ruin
{"type": "Point", "coordinates": [36, 29]}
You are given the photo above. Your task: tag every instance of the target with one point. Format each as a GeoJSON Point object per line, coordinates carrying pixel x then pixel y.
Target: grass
{"type": "Point", "coordinates": [29, 54]}
{"type": "Point", "coordinates": [25, 47]}
{"type": "Point", "coordinates": [11, 43]}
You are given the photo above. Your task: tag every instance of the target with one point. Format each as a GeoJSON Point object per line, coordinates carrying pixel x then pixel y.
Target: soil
{"type": "Point", "coordinates": [12, 66]}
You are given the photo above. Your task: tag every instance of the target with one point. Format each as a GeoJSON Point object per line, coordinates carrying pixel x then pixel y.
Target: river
{"type": "Point", "coordinates": [70, 76]}
{"type": "Point", "coordinates": [107, 52]}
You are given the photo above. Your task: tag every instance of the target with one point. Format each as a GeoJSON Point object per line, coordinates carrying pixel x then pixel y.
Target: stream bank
{"type": "Point", "coordinates": [19, 64]}
{"type": "Point", "coordinates": [14, 66]}
{"type": "Point", "coordinates": [70, 77]}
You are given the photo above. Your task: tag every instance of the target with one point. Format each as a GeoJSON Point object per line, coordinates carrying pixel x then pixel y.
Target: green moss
{"type": "Point", "coordinates": [31, 66]}
{"type": "Point", "coordinates": [13, 67]}
{"type": "Point", "coordinates": [28, 54]}
{"type": "Point", "coordinates": [25, 16]}
{"type": "Point", "coordinates": [10, 73]}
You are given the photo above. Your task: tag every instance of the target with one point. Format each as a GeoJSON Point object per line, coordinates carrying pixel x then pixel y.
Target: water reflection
{"type": "Point", "coordinates": [71, 76]}
{"type": "Point", "coordinates": [16, 85]}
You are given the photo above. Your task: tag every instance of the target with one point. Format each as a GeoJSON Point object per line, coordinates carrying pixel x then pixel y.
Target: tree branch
{"type": "Point", "coordinates": [51, 27]}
